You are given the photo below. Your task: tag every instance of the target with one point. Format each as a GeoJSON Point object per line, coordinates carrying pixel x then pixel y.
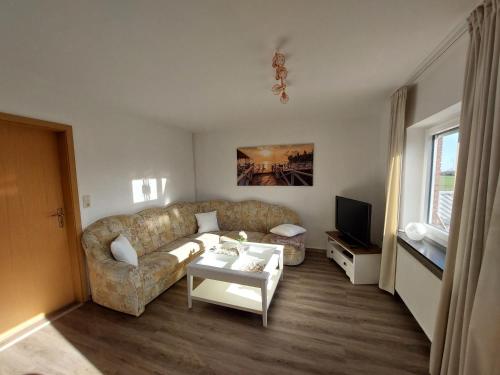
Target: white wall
{"type": "Point", "coordinates": [111, 154]}
{"type": "Point", "coordinates": [349, 159]}
{"type": "Point", "coordinates": [413, 181]}
{"type": "Point", "coordinates": [419, 288]}
{"type": "Point", "coordinates": [441, 85]}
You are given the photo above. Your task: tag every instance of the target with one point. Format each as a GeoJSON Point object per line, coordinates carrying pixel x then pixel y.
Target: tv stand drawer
{"type": "Point", "coordinates": [360, 265]}
{"type": "Point", "coordinates": [341, 259]}
{"type": "Point", "coordinates": [348, 267]}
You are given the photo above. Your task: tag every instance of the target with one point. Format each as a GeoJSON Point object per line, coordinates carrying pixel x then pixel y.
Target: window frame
{"type": "Point", "coordinates": [433, 233]}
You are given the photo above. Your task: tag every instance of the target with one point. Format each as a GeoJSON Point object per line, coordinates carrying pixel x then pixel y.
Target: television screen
{"type": "Point", "coordinates": [353, 219]}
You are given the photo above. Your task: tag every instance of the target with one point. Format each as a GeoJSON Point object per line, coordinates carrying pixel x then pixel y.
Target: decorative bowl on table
{"type": "Point", "coordinates": [226, 248]}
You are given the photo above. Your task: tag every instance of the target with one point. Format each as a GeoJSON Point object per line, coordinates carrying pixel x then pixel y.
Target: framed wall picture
{"type": "Point", "coordinates": [275, 165]}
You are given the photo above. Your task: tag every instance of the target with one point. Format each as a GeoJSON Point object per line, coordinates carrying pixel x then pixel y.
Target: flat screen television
{"type": "Point", "coordinates": [353, 220]}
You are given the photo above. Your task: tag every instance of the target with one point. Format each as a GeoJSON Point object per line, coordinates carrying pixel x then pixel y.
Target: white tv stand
{"type": "Point", "coordinates": [361, 265]}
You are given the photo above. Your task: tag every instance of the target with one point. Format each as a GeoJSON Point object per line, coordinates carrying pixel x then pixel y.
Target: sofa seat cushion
{"type": "Point", "coordinates": [208, 239]}
{"type": "Point", "coordinates": [161, 268]}
{"type": "Point", "coordinates": [252, 236]}
{"type": "Point", "coordinates": [183, 249]}
{"type": "Point", "coordinates": [154, 269]}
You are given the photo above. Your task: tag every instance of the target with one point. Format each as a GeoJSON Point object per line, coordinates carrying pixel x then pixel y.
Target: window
{"type": "Point", "coordinates": [429, 166]}
{"type": "Point", "coordinates": [442, 178]}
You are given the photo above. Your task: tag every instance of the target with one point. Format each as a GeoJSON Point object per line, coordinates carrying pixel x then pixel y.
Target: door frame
{"type": "Point", "coordinates": [71, 198]}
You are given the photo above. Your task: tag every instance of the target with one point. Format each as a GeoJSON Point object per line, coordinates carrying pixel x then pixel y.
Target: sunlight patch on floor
{"type": "Point", "coordinates": [32, 354]}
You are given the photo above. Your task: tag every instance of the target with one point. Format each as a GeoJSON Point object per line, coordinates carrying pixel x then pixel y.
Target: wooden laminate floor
{"type": "Point", "coordinates": [319, 323]}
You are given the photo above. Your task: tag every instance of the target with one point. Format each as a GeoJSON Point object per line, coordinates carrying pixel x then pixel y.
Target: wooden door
{"type": "Point", "coordinates": [35, 261]}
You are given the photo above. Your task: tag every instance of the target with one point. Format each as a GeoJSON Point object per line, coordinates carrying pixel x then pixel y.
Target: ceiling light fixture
{"type": "Point", "coordinates": [280, 75]}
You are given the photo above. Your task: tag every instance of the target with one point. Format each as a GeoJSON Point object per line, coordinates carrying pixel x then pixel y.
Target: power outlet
{"type": "Point", "coordinates": [86, 201]}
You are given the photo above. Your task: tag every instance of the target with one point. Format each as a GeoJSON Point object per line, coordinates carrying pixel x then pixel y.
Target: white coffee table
{"type": "Point", "coordinates": [227, 285]}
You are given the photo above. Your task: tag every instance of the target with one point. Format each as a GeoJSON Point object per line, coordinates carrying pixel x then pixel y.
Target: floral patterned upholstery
{"type": "Point", "coordinates": [208, 239]}
{"type": "Point", "coordinates": [294, 248]}
{"type": "Point", "coordinates": [234, 235]}
{"type": "Point", "coordinates": [166, 241]}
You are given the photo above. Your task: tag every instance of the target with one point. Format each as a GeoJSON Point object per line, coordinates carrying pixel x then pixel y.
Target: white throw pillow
{"type": "Point", "coordinates": [123, 251]}
{"type": "Point", "coordinates": [207, 222]}
{"type": "Point", "coordinates": [288, 230]}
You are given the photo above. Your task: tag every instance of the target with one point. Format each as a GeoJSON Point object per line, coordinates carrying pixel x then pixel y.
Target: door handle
{"type": "Point", "coordinates": [60, 216]}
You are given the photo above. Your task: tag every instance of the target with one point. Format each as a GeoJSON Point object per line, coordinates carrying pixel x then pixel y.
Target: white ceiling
{"type": "Point", "coordinates": [207, 64]}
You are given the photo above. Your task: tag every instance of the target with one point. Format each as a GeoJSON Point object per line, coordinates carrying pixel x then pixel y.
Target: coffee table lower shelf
{"type": "Point", "coordinates": [238, 296]}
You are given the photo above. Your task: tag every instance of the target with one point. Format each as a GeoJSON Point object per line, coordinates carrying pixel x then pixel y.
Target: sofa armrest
{"type": "Point", "coordinates": [116, 285]}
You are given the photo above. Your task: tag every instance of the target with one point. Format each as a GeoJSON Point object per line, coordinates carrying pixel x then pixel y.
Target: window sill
{"type": "Point", "coordinates": [429, 253]}
{"type": "Point", "coordinates": [436, 236]}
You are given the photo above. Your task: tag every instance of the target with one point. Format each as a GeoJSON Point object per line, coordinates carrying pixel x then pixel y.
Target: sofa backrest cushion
{"type": "Point", "coordinates": [254, 216]}
{"type": "Point", "coordinates": [228, 213]}
{"type": "Point", "coordinates": [166, 224]}
{"type": "Point", "coordinates": [281, 215]}
{"type": "Point", "coordinates": [250, 215]}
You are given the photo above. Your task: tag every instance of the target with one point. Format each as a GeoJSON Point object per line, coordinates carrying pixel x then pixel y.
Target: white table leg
{"type": "Point", "coordinates": [263, 290]}
{"type": "Point", "coordinates": [190, 289]}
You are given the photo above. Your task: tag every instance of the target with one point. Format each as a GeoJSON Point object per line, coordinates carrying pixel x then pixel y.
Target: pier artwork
{"type": "Point", "coordinates": [275, 165]}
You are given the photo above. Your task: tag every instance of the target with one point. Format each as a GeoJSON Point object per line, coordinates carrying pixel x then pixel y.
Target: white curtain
{"type": "Point", "coordinates": [467, 332]}
{"type": "Point", "coordinates": [393, 188]}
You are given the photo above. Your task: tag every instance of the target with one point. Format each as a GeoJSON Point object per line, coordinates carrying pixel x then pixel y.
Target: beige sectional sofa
{"type": "Point", "coordinates": [166, 240]}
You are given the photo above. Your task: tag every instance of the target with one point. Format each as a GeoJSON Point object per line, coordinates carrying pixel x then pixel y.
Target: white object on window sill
{"type": "Point", "coordinates": [416, 231]}
{"type": "Point", "coordinates": [436, 235]}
